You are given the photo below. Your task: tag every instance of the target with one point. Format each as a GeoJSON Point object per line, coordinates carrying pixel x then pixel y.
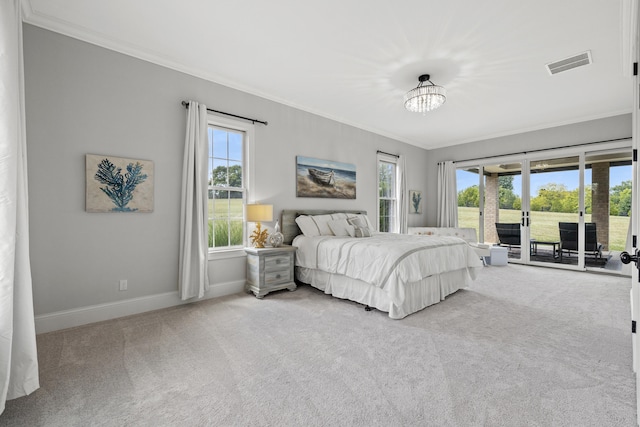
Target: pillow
{"type": "Point", "coordinates": [307, 226]}
{"type": "Point", "coordinates": [342, 228]}
{"type": "Point", "coordinates": [362, 232]}
{"type": "Point", "coordinates": [358, 221]}
{"type": "Point", "coordinates": [314, 225]}
{"type": "Point", "coordinates": [364, 218]}
{"type": "Point", "coordinates": [361, 226]}
{"type": "Point", "coordinates": [318, 225]}
{"type": "Point", "coordinates": [322, 221]}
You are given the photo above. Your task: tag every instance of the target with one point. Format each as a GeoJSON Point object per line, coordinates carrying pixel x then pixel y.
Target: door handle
{"type": "Point", "coordinates": [626, 258]}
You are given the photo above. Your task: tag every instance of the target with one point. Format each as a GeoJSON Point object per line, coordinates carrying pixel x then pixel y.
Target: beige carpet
{"type": "Point", "coordinates": [523, 346]}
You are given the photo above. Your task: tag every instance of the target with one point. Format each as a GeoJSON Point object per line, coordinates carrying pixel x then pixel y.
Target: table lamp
{"type": "Point", "coordinates": [258, 213]}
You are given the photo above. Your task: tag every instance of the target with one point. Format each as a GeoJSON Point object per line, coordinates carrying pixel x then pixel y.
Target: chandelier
{"type": "Point", "coordinates": [425, 98]}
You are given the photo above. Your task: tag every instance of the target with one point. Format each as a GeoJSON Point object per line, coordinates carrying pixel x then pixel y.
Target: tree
{"type": "Point", "coordinates": [469, 197]}
{"type": "Point", "coordinates": [506, 182]}
{"type": "Point", "coordinates": [227, 177]}
{"type": "Point", "coordinates": [620, 199]}
{"type": "Point", "coordinates": [220, 174]}
{"type": "Point", "coordinates": [506, 197]}
{"type": "Point", "coordinates": [557, 198]}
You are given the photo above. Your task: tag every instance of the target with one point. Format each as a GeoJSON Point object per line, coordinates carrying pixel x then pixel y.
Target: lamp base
{"type": "Point", "coordinates": [259, 236]}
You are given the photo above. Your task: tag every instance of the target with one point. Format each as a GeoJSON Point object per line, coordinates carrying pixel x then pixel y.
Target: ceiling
{"type": "Point", "coordinates": [353, 61]}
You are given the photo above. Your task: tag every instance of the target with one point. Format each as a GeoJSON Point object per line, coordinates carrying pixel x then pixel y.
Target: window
{"type": "Point", "coordinates": [387, 193]}
{"type": "Point", "coordinates": [227, 186]}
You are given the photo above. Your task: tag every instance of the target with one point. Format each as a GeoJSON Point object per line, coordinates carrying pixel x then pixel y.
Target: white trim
{"type": "Point", "coordinates": [571, 150]}
{"type": "Point", "coordinates": [215, 255]}
{"type": "Point", "coordinates": [100, 312]}
{"type": "Point", "coordinates": [628, 16]}
{"type": "Point", "coordinates": [386, 158]}
{"type": "Point", "coordinates": [248, 171]}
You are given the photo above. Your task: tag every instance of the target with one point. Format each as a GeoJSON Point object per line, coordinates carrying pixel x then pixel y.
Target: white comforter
{"type": "Point", "coordinates": [387, 260]}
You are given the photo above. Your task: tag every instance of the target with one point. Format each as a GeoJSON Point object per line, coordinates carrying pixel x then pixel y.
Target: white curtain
{"type": "Point", "coordinates": [193, 273]}
{"type": "Point", "coordinates": [447, 195]}
{"type": "Point", "coordinates": [18, 355]}
{"type": "Point", "coordinates": [402, 195]}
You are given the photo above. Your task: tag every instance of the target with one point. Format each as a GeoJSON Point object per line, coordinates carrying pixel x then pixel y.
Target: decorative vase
{"type": "Point", "coordinates": [276, 238]}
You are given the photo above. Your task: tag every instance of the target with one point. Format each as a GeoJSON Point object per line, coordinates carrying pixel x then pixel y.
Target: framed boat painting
{"type": "Point", "coordinates": [325, 178]}
{"type": "Point", "coordinates": [116, 184]}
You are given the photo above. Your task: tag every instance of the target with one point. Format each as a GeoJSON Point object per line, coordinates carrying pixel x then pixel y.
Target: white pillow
{"type": "Point", "coordinates": [360, 225]}
{"type": "Point", "coordinates": [357, 221]}
{"type": "Point", "coordinates": [342, 228]}
{"type": "Point", "coordinates": [364, 218]}
{"type": "Point", "coordinates": [339, 215]}
{"type": "Point", "coordinates": [322, 221]}
{"type": "Point", "coordinates": [308, 227]}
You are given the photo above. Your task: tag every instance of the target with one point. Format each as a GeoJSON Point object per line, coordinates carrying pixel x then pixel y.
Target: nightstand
{"type": "Point", "coordinates": [270, 269]}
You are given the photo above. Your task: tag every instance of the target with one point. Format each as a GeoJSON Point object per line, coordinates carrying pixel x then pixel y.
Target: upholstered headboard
{"type": "Point", "coordinates": [289, 227]}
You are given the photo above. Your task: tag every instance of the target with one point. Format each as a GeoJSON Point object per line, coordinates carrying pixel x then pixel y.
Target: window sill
{"type": "Point", "coordinates": [226, 254]}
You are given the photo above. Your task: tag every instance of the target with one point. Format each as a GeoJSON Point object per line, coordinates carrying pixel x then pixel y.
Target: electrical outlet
{"type": "Point", "coordinates": [123, 285]}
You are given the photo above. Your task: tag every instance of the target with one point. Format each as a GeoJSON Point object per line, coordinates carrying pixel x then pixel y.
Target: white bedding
{"type": "Point", "coordinates": [390, 262]}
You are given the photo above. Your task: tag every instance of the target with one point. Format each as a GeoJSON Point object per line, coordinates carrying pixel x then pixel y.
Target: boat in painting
{"type": "Point", "coordinates": [324, 178]}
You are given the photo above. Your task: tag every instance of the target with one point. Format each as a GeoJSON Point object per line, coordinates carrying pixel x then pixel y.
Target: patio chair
{"type": "Point", "coordinates": [569, 239]}
{"type": "Point", "coordinates": [508, 234]}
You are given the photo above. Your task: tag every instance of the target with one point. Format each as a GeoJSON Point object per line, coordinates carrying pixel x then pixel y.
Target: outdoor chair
{"type": "Point", "coordinates": [569, 239]}
{"type": "Point", "coordinates": [508, 234]}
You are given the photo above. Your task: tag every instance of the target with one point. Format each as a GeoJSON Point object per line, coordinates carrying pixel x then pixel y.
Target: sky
{"type": "Point", "coordinates": [539, 180]}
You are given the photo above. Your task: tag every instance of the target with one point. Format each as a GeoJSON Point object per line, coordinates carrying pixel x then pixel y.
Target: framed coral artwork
{"type": "Point", "coordinates": [415, 202]}
{"type": "Point", "coordinates": [117, 184]}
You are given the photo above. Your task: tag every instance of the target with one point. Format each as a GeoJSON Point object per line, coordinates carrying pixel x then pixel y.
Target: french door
{"type": "Point", "coordinates": [504, 220]}
{"type": "Point", "coordinates": [555, 210]}
{"type": "Point", "coordinates": [566, 208]}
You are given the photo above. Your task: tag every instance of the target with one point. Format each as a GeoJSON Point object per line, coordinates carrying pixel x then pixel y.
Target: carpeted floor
{"type": "Point", "coordinates": [523, 346]}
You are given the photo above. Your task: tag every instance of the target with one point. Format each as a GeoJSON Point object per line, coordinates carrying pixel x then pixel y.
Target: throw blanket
{"type": "Point", "coordinates": [387, 260]}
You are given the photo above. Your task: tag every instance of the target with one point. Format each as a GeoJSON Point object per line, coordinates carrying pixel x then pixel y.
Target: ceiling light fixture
{"type": "Point", "coordinates": [425, 98]}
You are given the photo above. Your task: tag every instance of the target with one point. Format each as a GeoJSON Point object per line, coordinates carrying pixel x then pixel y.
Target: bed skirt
{"type": "Point", "coordinates": [418, 295]}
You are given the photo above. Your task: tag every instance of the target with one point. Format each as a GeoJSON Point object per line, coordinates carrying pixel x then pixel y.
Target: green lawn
{"type": "Point", "coordinates": [544, 225]}
{"type": "Point", "coordinates": [222, 232]}
{"type": "Point", "coordinates": [225, 206]}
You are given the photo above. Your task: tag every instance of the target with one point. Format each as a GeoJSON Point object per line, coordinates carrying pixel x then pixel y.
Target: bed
{"type": "Point", "coordinates": [397, 274]}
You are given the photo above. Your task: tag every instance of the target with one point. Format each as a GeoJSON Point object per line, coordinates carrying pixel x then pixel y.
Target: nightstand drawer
{"type": "Point", "coordinates": [277, 277]}
{"type": "Point", "coordinates": [277, 262]}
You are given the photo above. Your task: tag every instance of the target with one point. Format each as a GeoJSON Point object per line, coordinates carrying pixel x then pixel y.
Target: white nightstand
{"type": "Point", "coordinates": [270, 269]}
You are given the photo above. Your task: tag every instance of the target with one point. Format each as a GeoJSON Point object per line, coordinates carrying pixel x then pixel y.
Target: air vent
{"type": "Point", "coordinates": [569, 63]}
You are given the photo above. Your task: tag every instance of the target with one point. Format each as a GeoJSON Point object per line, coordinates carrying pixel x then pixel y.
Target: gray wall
{"type": "Point", "coordinates": [580, 133]}
{"type": "Point", "coordinates": [83, 99]}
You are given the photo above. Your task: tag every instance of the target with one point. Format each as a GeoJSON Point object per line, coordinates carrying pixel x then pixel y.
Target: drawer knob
{"type": "Point", "coordinates": [278, 276]}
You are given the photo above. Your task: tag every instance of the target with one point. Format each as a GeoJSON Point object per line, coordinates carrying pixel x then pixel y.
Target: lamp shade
{"type": "Point", "coordinates": [259, 213]}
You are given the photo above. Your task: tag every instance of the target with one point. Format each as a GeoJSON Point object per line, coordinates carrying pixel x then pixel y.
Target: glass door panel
{"type": "Point", "coordinates": [503, 207]}
{"type": "Point", "coordinates": [469, 214]}
{"type": "Point", "coordinates": [554, 203]}
{"type": "Point", "coordinates": [608, 177]}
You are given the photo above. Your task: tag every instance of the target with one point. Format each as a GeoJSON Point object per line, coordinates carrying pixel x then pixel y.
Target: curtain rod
{"type": "Point", "coordinates": [254, 121]}
{"type": "Point", "coordinates": [539, 150]}
{"type": "Point", "coordinates": [388, 154]}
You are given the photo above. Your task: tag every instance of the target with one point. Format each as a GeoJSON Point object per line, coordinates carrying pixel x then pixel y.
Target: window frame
{"type": "Point", "coordinates": [248, 151]}
{"type": "Point", "coordinates": [385, 158]}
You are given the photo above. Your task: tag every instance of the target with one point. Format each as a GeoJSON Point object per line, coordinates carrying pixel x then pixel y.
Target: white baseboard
{"type": "Point", "coordinates": [97, 313]}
